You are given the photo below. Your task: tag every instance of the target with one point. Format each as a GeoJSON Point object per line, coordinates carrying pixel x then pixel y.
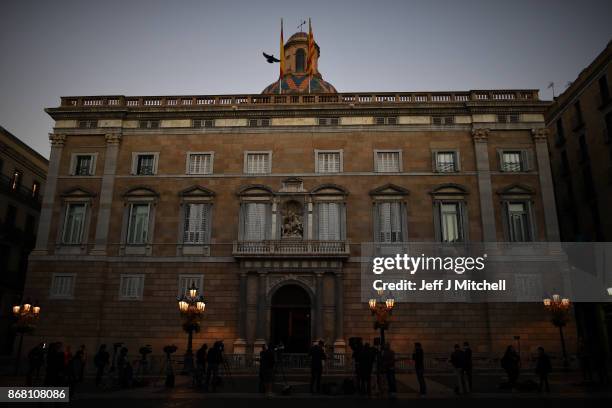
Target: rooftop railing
{"type": "Point", "coordinates": [379, 98]}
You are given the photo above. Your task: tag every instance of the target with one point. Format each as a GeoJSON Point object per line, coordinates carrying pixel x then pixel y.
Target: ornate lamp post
{"type": "Point", "coordinates": [382, 310]}
{"type": "Point", "coordinates": [559, 308]}
{"type": "Point", "coordinates": [191, 306]}
{"type": "Point", "coordinates": [27, 315]}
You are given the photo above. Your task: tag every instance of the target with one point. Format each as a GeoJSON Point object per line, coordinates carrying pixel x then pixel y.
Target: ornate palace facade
{"type": "Point", "coordinates": [263, 200]}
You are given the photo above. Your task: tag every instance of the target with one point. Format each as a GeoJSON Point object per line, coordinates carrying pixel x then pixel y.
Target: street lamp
{"type": "Point", "coordinates": [27, 315]}
{"type": "Point", "coordinates": [382, 310]}
{"type": "Point", "coordinates": [191, 306]}
{"type": "Point", "coordinates": [559, 308]}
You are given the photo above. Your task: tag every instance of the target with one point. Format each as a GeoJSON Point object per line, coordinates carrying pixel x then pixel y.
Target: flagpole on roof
{"type": "Point", "coordinates": [282, 60]}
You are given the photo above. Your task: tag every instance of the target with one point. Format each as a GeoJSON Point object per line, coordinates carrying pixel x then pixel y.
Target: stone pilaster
{"type": "Point", "coordinates": [540, 139]}
{"type": "Point", "coordinates": [339, 343]}
{"type": "Point", "coordinates": [106, 193]}
{"type": "Point", "coordinates": [46, 212]}
{"type": "Point", "coordinates": [240, 343]}
{"type": "Point", "coordinates": [260, 335]}
{"type": "Point", "coordinates": [319, 307]}
{"type": "Point", "coordinates": [485, 190]}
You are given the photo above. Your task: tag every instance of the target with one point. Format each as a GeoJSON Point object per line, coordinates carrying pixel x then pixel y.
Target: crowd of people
{"type": "Point", "coordinates": [374, 367]}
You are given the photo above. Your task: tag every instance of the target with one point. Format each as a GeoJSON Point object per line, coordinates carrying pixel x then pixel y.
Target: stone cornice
{"type": "Point", "coordinates": [540, 135]}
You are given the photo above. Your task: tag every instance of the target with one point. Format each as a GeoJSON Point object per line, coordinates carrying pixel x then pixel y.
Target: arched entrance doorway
{"type": "Point", "coordinates": [290, 318]}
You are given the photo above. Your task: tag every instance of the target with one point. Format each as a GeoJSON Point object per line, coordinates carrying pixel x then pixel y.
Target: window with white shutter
{"type": "Point", "coordinates": [518, 222]}
{"type": "Point", "coordinates": [138, 226]}
{"type": "Point", "coordinates": [255, 222]}
{"type": "Point", "coordinates": [186, 281]}
{"type": "Point", "coordinates": [200, 163]}
{"type": "Point", "coordinates": [62, 285]}
{"type": "Point", "coordinates": [446, 162]}
{"type": "Point", "coordinates": [329, 221]}
{"type": "Point", "coordinates": [257, 163]}
{"type": "Point", "coordinates": [512, 161]}
{"type": "Point", "coordinates": [131, 287]}
{"type": "Point", "coordinates": [197, 223]}
{"type": "Point", "coordinates": [329, 162]}
{"type": "Point", "coordinates": [389, 223]}
{"type": "Point", "coordinates": [74, 223]}
{"type": "Point", "coordinates": [388, 161]}
{"type": "Point", "coordinates": [451, 222]}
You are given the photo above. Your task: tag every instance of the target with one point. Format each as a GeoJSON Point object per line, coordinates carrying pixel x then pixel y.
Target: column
{"type": "Point", "coordinates": [46, 211]}
{"type": "Point", "coordinates": [487, 214]}
{"type": "Point", "coordinates": [319, 307]}
{"type": "Point", "coordinates": [240, 343]}
{"type": "Point", "coordinates": [339, 344]}
{"type": "Point", "coordinates": [106, 193]}
{"type": "Point", "coordinates": [540, 139]}
{"type": "Point", "coordinates": [260, 335]}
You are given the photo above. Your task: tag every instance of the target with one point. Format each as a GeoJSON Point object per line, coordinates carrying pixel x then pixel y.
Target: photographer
{"type": "Point", "coordinates": [214, 359]}
{"type": "Point", "coordinates": [317, 355]}
{"type": "Point", "coordinates": [266, 369]}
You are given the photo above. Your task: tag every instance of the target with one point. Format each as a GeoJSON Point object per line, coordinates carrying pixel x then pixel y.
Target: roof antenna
{"type": "Point", "coordinates": [301, 26]}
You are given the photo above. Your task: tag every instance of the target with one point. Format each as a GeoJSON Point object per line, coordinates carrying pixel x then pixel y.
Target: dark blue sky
{"type": "Point", "coordinates": [54, 48]}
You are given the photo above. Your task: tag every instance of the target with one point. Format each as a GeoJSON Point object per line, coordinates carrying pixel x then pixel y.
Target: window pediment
{"type": "Point", "coordinates": [255, 190]}
{"type": "Point", "coordinates": [449, 189]}
{"type": "Point", "coordinates": [329, 189]}
{"type": "Point", "coordinates": [78, 192]}
{"type": "Point", "coordinates": [516, 189]}
{"type": "Point", "coordinates": [390, 190]}
{"type": "Point", "coordinates": [197, 191]}
{"type": "Point", "coordinates": [141, 192]}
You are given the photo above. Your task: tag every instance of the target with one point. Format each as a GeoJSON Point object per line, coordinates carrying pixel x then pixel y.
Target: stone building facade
{"type": "Point", "coordinates": [22, 180]}
{"type": "Point", "coordinates": [263, 201]}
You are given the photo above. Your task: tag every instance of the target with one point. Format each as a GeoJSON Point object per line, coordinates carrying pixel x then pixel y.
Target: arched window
{"type": "Point", "coordinates": [300, 58]}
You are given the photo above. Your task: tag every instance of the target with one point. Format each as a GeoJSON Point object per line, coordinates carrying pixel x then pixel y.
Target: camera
{"type": "Point", "coordinates": [279, 347]}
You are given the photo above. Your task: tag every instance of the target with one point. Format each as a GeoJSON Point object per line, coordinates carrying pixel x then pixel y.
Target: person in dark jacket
{"type": "Point", "coordinates": [36, 358]}
{"type": "Point", "coordinates": [317, 355]}
{"type": "Point", "coordinates": [266, 369]}
{"type": "Point", "coordinates": [418, 356]}
{"type": "Point", "coordinates": [543, 368]}
{"type": "Point", "coordinates": [214, 358]}
{"type": "Point", "coordinates": [101, 361]}
{"type": "Point", "coordinates": [388, 365]}
{"type": "Point", "coordinates": [366, 364]}
{"type": "Point", "coordinates": [457, 360]}
{"type": "Point", "coordinates": [80, 359]}
{"type": "Point", "coordinates": [467, 365]}
{"type": "Point", "coordinates": [511, 363]}
{"type": "Point", "coordinates": [201, 364]}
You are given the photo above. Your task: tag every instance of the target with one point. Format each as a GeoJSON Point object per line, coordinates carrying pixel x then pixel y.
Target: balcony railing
{"type": "Point", "coordinates": [285, 248]}
{"type": "Point", "coordinates": [378, 98]}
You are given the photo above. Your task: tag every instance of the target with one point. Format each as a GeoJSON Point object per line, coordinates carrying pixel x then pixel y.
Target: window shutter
{"type": "Point", "coordinates": [342, 221]}
{"type": "Point", "coordinates": [525, 162]}
{"type": "Point", "coordinates": [404, 222]}
{"type": "Point", "coordinates": [437, 222]}
{"type": "Point", "coordinates": [376, 221]}
{"type": "Point", "coordinates": [506, 221]}
{"type": "Point", "coordinates": [463, 221]}
{"type": "Point", "coordinates": [267, 220]}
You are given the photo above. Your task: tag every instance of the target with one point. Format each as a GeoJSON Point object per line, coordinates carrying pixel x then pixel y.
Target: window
{"type": "Point", "coordinates": [451, 223]}
{"type": "Point", "coordinates": [199, 163]}
{"type": "Point", "coordinates": [138, 224]}
{"type": "Point", "coordinates": [442, 120]}
{"type": "Point", "coordinates": [186, 281]}
{"type": "Point", "coordinates": [83, 164]}
{"type": "Point", "coordinates": [144, 164]}
{"type": "Point", "coordinates": [197, 223]}
{"type": "Point", "coordinates": [131, 287]}
{"type": "Point", "coordinates": [604, 90]}
{"type": "Point", "coordinates": [16, 180]}
{"type": "Point", "coordinates": [388, 161]}
{"type": "Point", "coordinates": [329, 226]}
{"type": "Point", "coordinates": [35, 190]}
{"type": "Point", "coordinates": [512, 161]}
{"type": "Point", "coordinates": [203, 123]}
{"type": "Point", "coordinates": [389, 224]}
{"type": "Point", "coordinates": [608, 129]}
{"type": "Point", "coordinates": [148, 124]}
{"type": "Point", "coordinates": [385, 120]}
{"type": "Point", "coordinates": [11, 215]}
{"type": "Point", "coordinates": [300, 57]}
{"type": "Point", "coordinates": [584, 149]}
{"type": "Point", "coordinates": [88, 124]}
{"type": "Point", "coordinates": [518, 222]}
{"type": "Point", "coordinates": [328, 161]}
{"type": "Point", "coordinates": [578, 122]}
{"type": "Point", "coordinates": [259, 122]}
{"type": "Point", "coordinates": [560, 133]}
{"type": "Point", "coordinates": [446, 162]}
{"type": "Point", "coordinates": [328, 121]}
{"type": "Point", "coordinates": [62, 285]}
{"type": "Point", "coordinates": [255, 221]}
{"type": "Point", "coordinates": [513, 118]}
{"type": "Point", "coordinates": [565, 167]}
{"type": "Point", "coordinates": [74, 224]}
{"type": "Point", "coordinates": [257, 162]}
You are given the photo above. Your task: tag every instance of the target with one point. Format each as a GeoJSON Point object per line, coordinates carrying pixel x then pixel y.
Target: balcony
{"type": "Point", "coordinates": [291, 248]}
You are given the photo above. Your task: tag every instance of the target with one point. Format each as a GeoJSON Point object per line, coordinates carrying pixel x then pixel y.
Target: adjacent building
{"type": "Point", "coordinates": [262, 202]}
{"type": "Point", "coordinates": [22, 180]}
{"type": "Point", "coordinates": [580, 140]}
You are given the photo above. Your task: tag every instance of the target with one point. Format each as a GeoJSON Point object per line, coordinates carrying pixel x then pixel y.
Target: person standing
{"type": "Point", "coordinates": [467, 364]}
{"type": "Point", "coordinates": [511, 364]}
{"type": "Point", "coordinates": [388, 365]}
{"type": "Point", "coordinates": [80, 358]}
{"type": "Point", "coordinates": [36, 358]}
{"type": "Point", "coordinates": [266, 369]}
{"type": "Point", "coordinates": [458, 361]}
{"type": "Point", "coordinates": [214, 358]}
{"type": "Point", "coordinates": [201, 364]}
{"type": "Point", "coordinates": [418, 356]}
{"type": "Point", "coordinates": [543, 368]}
{"type": "Point", "coordinates": [317, 355]}
{"type": "Point", "coordinates": [101, 360]}
{"type": "Point", "coordinates": [366, 363]}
